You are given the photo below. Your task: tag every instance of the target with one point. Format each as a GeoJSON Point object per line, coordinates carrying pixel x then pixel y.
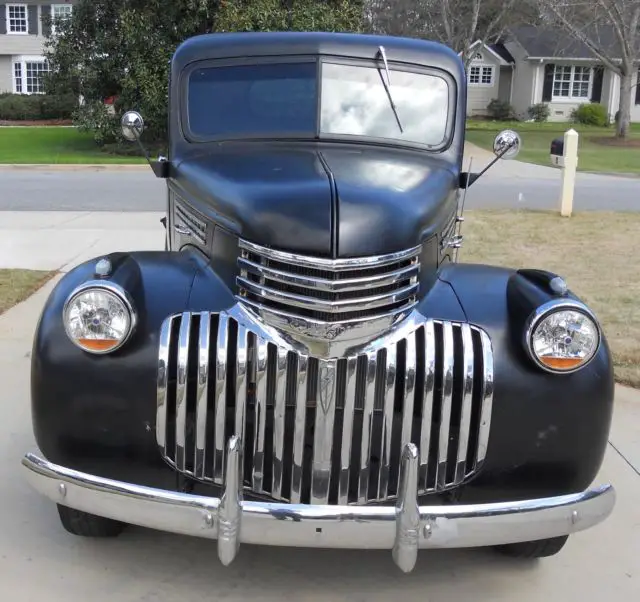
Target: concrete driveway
{"type": "Point", "coordinates": [39, 561]}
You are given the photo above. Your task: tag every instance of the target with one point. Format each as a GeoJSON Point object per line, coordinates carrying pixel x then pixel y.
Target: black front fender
{"type": "Point", "coordinates": [548, 431]}
{"type": "Point", "coordinates": [91, 409]}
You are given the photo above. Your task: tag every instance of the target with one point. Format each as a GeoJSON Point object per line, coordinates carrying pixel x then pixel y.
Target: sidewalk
{"type": "Point", "coordinates": [60, 240]}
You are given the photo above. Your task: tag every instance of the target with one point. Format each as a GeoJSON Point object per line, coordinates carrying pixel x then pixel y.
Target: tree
{"type": "Point", "coordinates": [610, 29]}
{"type": "Point", "coordinates": [122, 48]}
{"type": "Point", "coordinates": [457, 23]}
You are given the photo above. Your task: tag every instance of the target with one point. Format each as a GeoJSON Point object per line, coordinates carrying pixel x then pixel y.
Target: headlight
{"type": "Point", "coordinates": [99, 317]}
{"type": "Point", "coordinates": [562, 336]}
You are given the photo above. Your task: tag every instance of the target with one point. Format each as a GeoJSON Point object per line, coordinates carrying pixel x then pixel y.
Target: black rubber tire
{"type": "Point", "coordinates": [534, 549]}
{"type": "Point", "coordinates": [84, 524]}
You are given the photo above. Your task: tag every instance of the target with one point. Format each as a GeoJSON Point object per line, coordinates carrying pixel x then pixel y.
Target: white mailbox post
{"type": "Point", "coordinates": [569, 169]}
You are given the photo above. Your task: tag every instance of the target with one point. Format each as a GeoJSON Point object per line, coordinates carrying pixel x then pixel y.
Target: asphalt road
{"type": "Point", "coordinates": [126, 190]}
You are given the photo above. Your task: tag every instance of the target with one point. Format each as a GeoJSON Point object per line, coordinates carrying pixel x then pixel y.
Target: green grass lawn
{"type": "Point", "coordinates": [53, 145]}
{"type": "Point", "coordinates": [537, 137]}
{"type": "Point", "coordinates": [66, 145]}
{"type": "Point", "coordinates": [17, 285]}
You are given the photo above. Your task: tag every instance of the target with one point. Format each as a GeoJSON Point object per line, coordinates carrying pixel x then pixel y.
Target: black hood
{"type": "Point", "coordinates": [334, 201]}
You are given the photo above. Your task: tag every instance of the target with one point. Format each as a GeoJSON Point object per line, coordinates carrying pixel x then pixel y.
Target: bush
{"type": "Point", "coordinates": [58, 106]}
{"type": "Point", "coordinates": [19, 107]}
{"type": "Point", "coordinates": [539, 113]}
{"type": "Point", "coordinates": [500, 110]}
{"type": "Point", "coordinates": [591, 114]}
{"type": "Point", "coordinates": [24, 107]}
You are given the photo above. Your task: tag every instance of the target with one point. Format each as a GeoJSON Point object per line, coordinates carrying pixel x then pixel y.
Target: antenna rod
{"type": "Point", "coordinates": [461, 214]}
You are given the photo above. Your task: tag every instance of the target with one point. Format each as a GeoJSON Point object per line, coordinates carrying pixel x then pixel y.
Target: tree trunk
{"type": "Point", "coordinates": [624, 119]}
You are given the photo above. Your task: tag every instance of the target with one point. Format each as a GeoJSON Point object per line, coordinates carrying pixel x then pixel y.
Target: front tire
{"type": "Point", "coordinates": [84, 524]}
{"type": "Point", "coordinates": [534, 549]}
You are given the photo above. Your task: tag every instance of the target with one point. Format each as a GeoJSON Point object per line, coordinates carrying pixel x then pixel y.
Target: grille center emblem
{"type": "Point", "coordinates": [326, 385]}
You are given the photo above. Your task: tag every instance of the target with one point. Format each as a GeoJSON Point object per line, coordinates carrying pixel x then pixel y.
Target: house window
{"type": "Point", "coordinates": [17, 78]}
{"type": "Point", "coordinates": [481, 75]}
{"type": "Point", "coordinates": [28, 75]}
{"type": "Point", "coordinates": [59, 12]}
{"type": "Point", "coordinates": [572, 82]}
{"type": "Point", "coordinates": [16, 17]}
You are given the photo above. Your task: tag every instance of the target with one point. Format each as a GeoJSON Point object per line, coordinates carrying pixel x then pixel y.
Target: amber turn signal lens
{"type": "Point", "coordinates": [561, 363]}
{"type": "Point", "coordinates": [97, 344]}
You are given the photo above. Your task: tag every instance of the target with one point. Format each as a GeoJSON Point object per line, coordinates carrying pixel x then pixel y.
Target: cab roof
{"type": "Point", "coordinates": [351, 45]}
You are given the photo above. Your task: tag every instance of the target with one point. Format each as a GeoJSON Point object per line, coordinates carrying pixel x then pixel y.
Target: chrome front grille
{"type": "Point", "coordinates": [323, 431]}
{"type": "Point", "coordinates": [328, 290]}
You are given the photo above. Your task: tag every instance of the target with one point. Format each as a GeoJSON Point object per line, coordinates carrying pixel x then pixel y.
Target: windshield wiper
{"type": "Point", "coordinates": [387, 85]}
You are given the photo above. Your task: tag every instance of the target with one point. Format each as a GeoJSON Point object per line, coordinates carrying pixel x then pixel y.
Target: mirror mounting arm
{"type": "Point", "coordinates": [467, 179]}
{"type": "Point", "coordinates": [132, 127]}
{"type": "Point", "coordinates": [160, 166]}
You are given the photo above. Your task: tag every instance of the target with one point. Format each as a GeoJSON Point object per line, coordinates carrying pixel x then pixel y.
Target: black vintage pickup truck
{"type": "Point", "coordinates": [307, 363]}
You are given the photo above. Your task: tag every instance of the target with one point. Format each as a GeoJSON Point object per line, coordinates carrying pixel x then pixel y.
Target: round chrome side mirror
{"type": "Point", "coordinates": [507, 139]}
{"type": "Point", "coordinates": [132, 125]}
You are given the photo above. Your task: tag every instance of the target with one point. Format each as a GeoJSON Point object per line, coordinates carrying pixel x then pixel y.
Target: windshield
{"type": "Point", "coordinates": [281, 99]}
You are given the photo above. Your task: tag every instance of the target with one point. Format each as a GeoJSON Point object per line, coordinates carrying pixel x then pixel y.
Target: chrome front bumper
{"type": "Point", "coordinates": [403, 529]}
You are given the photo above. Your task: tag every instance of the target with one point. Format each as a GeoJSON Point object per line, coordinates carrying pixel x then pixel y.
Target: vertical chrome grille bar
{"type": "Point", "coordinates": [409, 390]}
{"type": "Point", "coordinates": [467, 399]}
{"type": "Point", "coordinates": [447, 394]}
{"type": "Point", "coordinates": [347, 430]}
{"type": "Point", "coordinates": [163, 383]}
{"type": "Point", "coordinates": [181, 390]}
{"type": "Point", "coordinates": [323, 432]}
{"type": "Point", "coordinates": [367, 415]}
{"type": "Point", "coordinates": [427, 402]}
{"type": "Point", "coordinates": [487, 398]}
{"type": "Point", "coordinates": [387, 420]}
{"type": "Point", "coordinates": [299, 432]}
{"type": "Point", "coordinates": [260, 415]}
{"type": "Point", "coordinates": [220, 399]}
{"type": "Point", "coordinates": [278, 422]}
{"type": "Point", "coordinates": [241, 381]}
{"type": "Point", "coordinates": [202, 394]}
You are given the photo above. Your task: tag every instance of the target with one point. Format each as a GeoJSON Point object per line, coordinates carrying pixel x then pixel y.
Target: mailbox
{"type": "Point", "coordinates": [557, 152]}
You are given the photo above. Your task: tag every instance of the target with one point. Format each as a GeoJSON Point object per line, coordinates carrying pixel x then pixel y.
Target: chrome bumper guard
{"type": "Point", "coordinates": [404, 528]}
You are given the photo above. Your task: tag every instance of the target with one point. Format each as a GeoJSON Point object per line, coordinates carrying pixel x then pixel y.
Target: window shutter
{"type": "Point", "coordinates": [547, 89]}
{"type": "Point", "coordinates": [32, 17]}
{"type": "Point", "coordinates": [638, 88]}
{"type": "Point", "coordinates": [45, 12]}
{"type": "Point", "coordinates": [596, 93]}
{"type": "Point", "coordinates": [3, 18]}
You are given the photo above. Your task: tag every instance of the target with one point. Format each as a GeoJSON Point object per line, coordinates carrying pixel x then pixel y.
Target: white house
{"type": "Point", "coordinates": [536, 65]}
{"type": "Point", "coordinates": [22, 36]}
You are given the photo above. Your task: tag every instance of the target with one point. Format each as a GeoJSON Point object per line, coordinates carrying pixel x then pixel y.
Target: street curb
{"type": "Point", "coordinates": [74, 166]}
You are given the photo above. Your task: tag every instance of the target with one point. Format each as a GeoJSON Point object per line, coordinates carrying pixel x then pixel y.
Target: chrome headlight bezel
{"type": "Point", "coordinates": [544, 311]}
{"type": "Point", "coordinates": [115, 290]}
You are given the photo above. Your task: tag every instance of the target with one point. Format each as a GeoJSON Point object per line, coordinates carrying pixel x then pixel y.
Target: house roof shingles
{"type": "Point", "coordinates": [545, 42]}
{"type": "Point", "coordinates": [501, 51]}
